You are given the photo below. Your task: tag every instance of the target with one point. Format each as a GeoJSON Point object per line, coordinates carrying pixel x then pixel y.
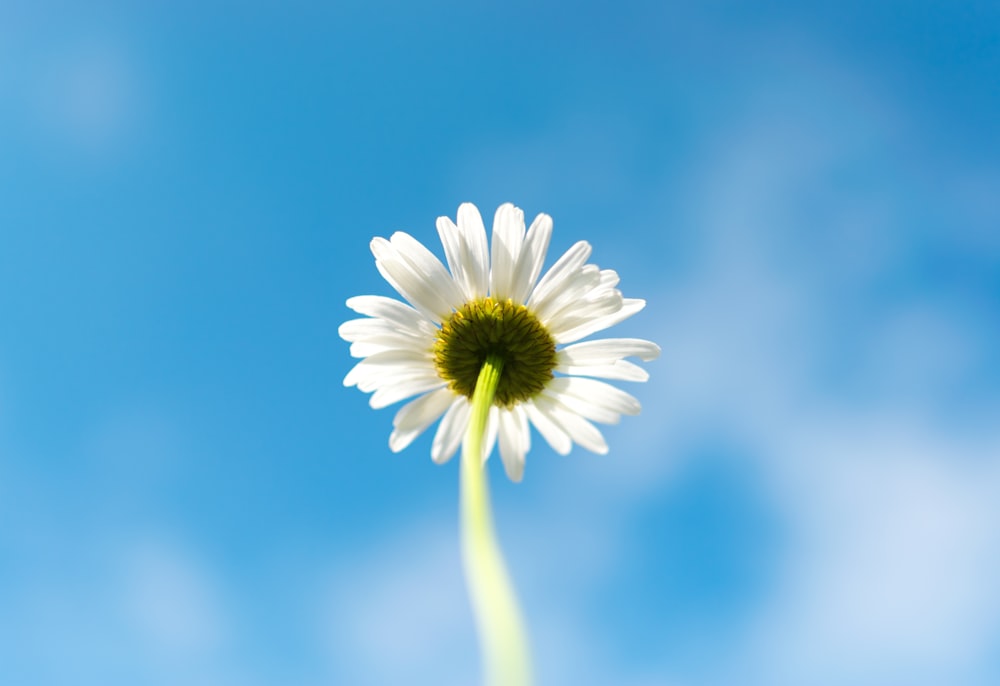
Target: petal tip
{"type": "Point", "coordinates": [440, 459]}
{"type": "Point", "coordinates": [394, 442]}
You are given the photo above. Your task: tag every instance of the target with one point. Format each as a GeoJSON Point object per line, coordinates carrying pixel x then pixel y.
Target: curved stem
{"type": "Point", "coordinates": [494, 603]}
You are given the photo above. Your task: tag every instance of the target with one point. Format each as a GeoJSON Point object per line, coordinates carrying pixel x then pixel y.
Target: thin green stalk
{"type": "Point", "coordinates": [494, 603]}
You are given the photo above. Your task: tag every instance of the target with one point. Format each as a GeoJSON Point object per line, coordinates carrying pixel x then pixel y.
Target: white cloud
{"type": "Point", "coordinates": [172, 602]}
{"type": "Point", "coordinates": [398, 613]}
{"type": "Point", "coordinates": [75, 93]}
{"type": "Point", "coordinates": [139, 610]}
{"type": "Point", "coordinates": [891, 574]}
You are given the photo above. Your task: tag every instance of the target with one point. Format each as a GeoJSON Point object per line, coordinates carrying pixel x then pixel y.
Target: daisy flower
{"type": "Point", "coordinates": [491, 349]}
{"type": "Point", "coordinates": [491, 304]}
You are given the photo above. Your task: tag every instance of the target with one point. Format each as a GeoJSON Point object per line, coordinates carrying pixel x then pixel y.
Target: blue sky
{"type": "Point", "coordinates": [807, 195]}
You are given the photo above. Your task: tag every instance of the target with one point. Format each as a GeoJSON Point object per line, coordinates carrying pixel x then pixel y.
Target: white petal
{"type": "Point", "coordinates": [477, 253]}
{"type": "Point", "coordinates": [406, 267]}
{"type": "Point", "coordinates": [424, 262]}
{"type": "Point", "coordinates": [492, 427]}
{"type": "Point", "coordinates": [508, 235]}
{"type": "Point", "coordinates": [583, 432]}
{"type": "Point", "coordinates": [368, 348]}
{"type": "Point", "coordinates": [582, 310]}
{"type": "Point", "coordinates": [370, 339]}
{"type": "Point", "coordinates": [455, 252]}
{"type": "Point", "coordinates": [584, 313]}
{"type": "Point", "coordinates": [589, 411]}
{"type": "Point", "coordinates": [389, 362]}
{"type": "Point", "coordinates": [609, 350]}
{"type": "Point", "coordinates": [368, 329]}
{"type": "Point", "coordinates": [629, 307]}
{"type": "Point", "coordinates": [597, 392]}
{"type": "Point", "coordinates": [588, 285]}
{"type": "Point", "coordinates": [575, 287]}
{"type": "Point", "coordinates": [451, 430]}
{"type": "Point", "coordinates": [414, 417]}
{"type": "Point", "coordinates": [564, 268]}
{"type": "Point", "coordinates": [392, 310]}
{"type": "Point", "coordinates": [515, 441]}
{"type": "Point", "coordinates": [531, 259]}
{"type": "Point", "coordinates": [619, 370]}
{"type": "Point", "coordinates": [404, 388]}
{"type": "Point", "coordinates": [593, 392]}
{"type": "Point", "coordinates": [387, 379]}
{"type": "Point", "coordinates": [609, 278]}
{"type": "Point", "coordinates": [550, 430]}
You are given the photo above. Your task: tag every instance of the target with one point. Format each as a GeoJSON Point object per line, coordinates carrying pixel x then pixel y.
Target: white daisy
{"type": "Point", "coordinates": [493, 302]}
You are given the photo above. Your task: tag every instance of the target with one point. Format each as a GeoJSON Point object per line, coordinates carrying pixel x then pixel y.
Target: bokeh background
{"type": "Point", "coordinates": [807, 193]}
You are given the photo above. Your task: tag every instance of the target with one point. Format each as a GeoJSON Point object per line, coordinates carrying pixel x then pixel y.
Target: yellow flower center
{"type": "Point", "coordinates": [483, 327]}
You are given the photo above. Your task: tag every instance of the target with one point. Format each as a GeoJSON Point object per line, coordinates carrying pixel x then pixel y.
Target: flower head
{"type": "Point", "coordinates": [492, 302]}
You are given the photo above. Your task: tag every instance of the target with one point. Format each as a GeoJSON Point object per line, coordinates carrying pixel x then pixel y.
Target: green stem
{"type": "Point", "coordinates": [498, 617]}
